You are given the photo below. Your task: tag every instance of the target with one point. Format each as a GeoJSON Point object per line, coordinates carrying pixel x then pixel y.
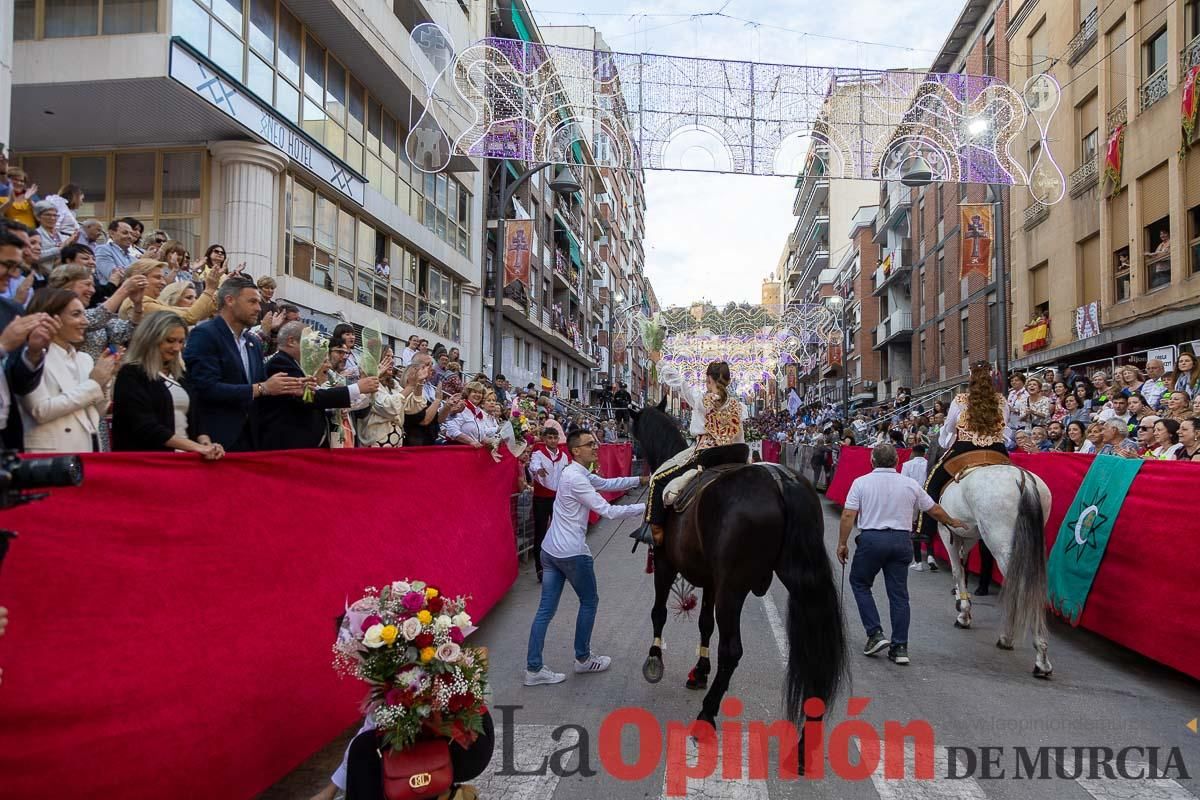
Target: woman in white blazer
{"type": "Point", "coordinates": [63, 414]}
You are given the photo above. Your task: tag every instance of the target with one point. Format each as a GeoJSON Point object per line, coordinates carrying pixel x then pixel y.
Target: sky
{"type": "Point", "coordinates": [715, 237]}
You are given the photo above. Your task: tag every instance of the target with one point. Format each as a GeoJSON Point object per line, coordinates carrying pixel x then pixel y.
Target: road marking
{"type": "Point", "coordinates": [1143, 789]}
{"type": "Point", "coordinates": [530, 745]}
{"type": "Point", "coordinates": [778, 632]}
{"type": "Point", "coordinates": [714, 787]}
{"type": "Point", "coordinates": [939, 788]}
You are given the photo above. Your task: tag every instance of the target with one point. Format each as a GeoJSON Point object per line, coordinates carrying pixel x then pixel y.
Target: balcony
{"type": "Point", "coordinates": [1035, 215]}
{"type": "Point", "coordinates": [902, 261]}
{"type": "Point", "coordinates": [1083, 41]}
{"type": "Point", "coordinates": [1189, 56]}
{"type": "Point", "coordinates": [891, 211]}
{"type": "Point", "coordinates": [1085, 177]}
{"type": "Point", "coordinates": [898, 325]}
{"type": "Point", "coordinates": [1119, 115]}
{"type": "Point", "coordinates": [1154, 89]}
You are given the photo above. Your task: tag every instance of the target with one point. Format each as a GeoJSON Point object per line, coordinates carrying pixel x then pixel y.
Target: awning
{"type": "Point", "coordinates": [519, 24]}
{"type": "Point", "coordinates": [511, 169]}
{"type": "Point", "coordinates": [575, 256]}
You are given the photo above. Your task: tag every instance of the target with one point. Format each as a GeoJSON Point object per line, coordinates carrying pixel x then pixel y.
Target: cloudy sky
{"type": "Point", "coordinates": [716, 236]}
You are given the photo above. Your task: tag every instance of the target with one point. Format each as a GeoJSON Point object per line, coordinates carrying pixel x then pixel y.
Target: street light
{"type": "Point", "coordinates": [564, 183]}
{"type": "Point", "coordinates": [838, 305]}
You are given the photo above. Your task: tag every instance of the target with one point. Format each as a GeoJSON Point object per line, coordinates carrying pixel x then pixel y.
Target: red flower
{"type": "Point", "coordinates": [461, 702]}
{"type": "Point", "coordinates": [456, 635]}
{"type": "Point", "coordinates": [423, 641]}
{"type": "Point", "coordinates": [435, 605]}
{"type": "Point", "coordinates": [374, 619]}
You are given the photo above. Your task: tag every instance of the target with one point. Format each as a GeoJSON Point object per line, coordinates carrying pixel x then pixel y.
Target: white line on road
{"type": "Point", "coordinates": [1142, 789]}
{"type": "Point", "coordinates": [938, 788]}
{"type": "Point", "coordinates": [531, 745]}
{"type": "Point", "coordinates": [778, 632]}
{"type": "Point", "coordinates": [714, 787]}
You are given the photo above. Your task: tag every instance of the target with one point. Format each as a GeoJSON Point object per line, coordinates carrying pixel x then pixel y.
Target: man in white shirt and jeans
{"type": "Point", "coordinates": [884, 503]}
{"type": "Point", "coordinates": [567, 559]}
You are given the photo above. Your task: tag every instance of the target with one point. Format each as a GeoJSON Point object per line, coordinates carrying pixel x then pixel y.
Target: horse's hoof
{"type": "Point", "coordinates": [958, 624]}
{"type": "Point", "coordinates": [1003, 645]}
{"type": "Point", "coordinates": [1042, 674]}
{"type": "Point", "coordinates": [697, 680]}
{"type": "Point", "coordinates": [652, 669]}
{"type": "Point", "coordinates": [710, 719]}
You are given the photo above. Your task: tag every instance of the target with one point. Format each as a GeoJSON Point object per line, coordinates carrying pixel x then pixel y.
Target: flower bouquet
{"type": "Point", "coordinates": [406, 642]}
{"type": "Point", "coordinates": [314, 349]}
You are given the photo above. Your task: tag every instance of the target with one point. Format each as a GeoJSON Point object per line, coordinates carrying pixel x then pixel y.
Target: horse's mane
{"type": "Point", "coordinates": [659, 435]}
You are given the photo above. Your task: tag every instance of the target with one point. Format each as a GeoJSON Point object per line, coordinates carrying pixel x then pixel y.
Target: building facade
{"type": "Point", "coordinates": [276, 128]}
{"type": "Point", "coordinates": [1111, 274]}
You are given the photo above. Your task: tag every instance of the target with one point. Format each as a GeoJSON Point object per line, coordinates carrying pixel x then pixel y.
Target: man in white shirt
{"type": "Point", "coordinates": [410, 350]}
{"type": "Point", "coordinates": [917, 468]}
{"type": "Point", "coordinates": [1118, 408]}
{"type": "Point", "coordinates": [567, 559]}
{"type": "Point", "coordinates": [884, 503]}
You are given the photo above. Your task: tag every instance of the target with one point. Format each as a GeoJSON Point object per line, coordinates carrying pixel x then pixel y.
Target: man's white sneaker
{"type": "Point", "coordinates": [917, 566]}
{"type": "Point", "coordinates": [594, 663]}
{"type": "Point", "coordinates": [543, 676]}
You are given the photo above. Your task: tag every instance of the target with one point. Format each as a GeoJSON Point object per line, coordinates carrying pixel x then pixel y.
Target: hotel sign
{"type": "Point", "coordinates": [216, 89]}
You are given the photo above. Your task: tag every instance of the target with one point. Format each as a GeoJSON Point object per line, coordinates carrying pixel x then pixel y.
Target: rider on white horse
{"type": "Point", "coordinates": [716, 421]}
{"type": "Point", "coordinates": [976, 421]}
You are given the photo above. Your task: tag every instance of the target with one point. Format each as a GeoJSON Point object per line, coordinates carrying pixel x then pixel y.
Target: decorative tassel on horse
{"type": "Point", "coordinates": [685, 598]}
{"type": "Point", "coordinates": [650, 560]}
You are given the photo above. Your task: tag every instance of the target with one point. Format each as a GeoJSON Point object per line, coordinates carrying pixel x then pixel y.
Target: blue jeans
{"type": "Point", "coordinates": [580, 572]}
{"type": "Point", "coordinates": [891, 553]}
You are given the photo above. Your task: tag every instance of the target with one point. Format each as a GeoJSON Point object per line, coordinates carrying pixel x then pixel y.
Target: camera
{"type": "Point", "coordinates": [21, 478]}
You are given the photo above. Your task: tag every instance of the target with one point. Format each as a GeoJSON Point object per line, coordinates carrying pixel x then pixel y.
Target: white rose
{"type": "Point", "coordinates": [401, 588]}
{"type": "Point", "coordinates": [462, 620]}
{"type": "Point", "coordinates": [449, 652]}
{"type": "Point", "coordinates": [411, 628]}
{"type": "Point", "coordinates": [442, 624]}
{"type": "Point", "coordinates": [373, 638]}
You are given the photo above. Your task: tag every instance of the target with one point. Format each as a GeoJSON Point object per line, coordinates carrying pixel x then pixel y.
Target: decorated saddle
{"type": "Point", "coordinates": [958, 466]}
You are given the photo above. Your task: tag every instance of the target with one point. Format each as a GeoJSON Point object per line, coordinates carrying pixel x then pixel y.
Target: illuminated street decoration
{"type": "Point", "coordinates": [758, 342]}
{"type": "Point", "coordinates": [534, 102]}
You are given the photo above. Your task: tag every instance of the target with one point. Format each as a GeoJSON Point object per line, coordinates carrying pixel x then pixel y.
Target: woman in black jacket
{"type": "Point", "coordinates": [152, 409]}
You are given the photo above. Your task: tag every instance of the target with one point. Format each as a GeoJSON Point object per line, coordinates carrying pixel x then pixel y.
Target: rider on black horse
{"type": "Point", "coordinates": [976, 420]}
{"type": "Point", "coordinates": [716, 422]}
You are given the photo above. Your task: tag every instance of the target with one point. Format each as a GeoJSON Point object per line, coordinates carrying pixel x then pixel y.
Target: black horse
{"type": "Point", "coordinates": [748, 524]}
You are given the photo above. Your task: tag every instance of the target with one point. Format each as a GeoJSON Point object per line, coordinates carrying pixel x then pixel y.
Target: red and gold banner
{"type": "Point", "coordinates": [1036, 334]}
{"type": "Point", "coordinates": [1187, 108]}
{"type": "Point", "coordinates": [1113, 154]}
{"type": "Point", "coordinates": [977, 230]}
{"type": "Point", "coordinates": [518, 244]}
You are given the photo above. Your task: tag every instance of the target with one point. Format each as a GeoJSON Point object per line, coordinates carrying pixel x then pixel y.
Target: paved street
{"type": "Point", "coordinates": [971, 693]}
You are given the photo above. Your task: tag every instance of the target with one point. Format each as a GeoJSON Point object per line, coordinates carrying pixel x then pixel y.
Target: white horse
{"type": "Point", "coordinates": [1007, 506]}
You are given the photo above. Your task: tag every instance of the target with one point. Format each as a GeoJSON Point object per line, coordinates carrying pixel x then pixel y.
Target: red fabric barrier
{"type": "Point", "coordinates": [853, 463]}
{"type": "Point", "coordinates": [1143, 596]}
{"type": "Point", "coordinates": [171, 619]}
{"type": "Point", "coordinates": [770, 451]}
{"type": "Point", "coordinates": [616, 461]}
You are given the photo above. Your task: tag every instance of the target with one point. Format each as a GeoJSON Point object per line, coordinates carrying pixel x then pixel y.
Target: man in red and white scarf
{"type": "Point", "coordinates": [546, 464]}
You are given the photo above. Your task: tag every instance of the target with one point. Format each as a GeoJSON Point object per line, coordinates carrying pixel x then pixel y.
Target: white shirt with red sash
{"type": "Point", "coordinates": [553, 463]}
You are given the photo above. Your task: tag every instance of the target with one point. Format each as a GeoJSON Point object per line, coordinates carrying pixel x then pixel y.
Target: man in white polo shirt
{"type": "Point", "coordinates": [567, 559]}
{"type": "Point", "coordinates": [883, 502]}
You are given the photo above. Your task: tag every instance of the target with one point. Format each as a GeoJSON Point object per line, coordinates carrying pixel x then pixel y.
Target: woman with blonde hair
{"type": "Point", "coordinates": [156, 281]}
{"type": "Point", "coordinates": [153, 410]}
{"type": "Point", "coordinates": [105, 330]}
{"type": "Point", "coordinates": [180, 294]}
{"type": "Point", "coordinates": [384, 425]}
{"type": "Point", "coordinates": [716, 422]}
{"type": "Point", "coordinates": [472, 425]}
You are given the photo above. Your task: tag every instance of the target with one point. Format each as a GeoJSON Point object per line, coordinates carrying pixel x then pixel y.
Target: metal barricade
{"type": "Point", "coordinates": [521, 507]}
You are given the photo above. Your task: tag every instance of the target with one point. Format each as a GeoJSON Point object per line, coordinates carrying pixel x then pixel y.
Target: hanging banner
{"type": "Point", "coordinates": [1087, 321]}
{"type": "Point", "coordinates": [978, 231]}
{"type": "Point", "coordinates": [1187, 109]}
{"type": "Point", "coordinates": [1113, 156]}
{"type": "Point", "coordinates": [518, 236]}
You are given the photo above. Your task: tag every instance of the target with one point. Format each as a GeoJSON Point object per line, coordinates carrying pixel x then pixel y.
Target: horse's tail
{"type": "Point", "coordinates": [1025, 581]}
{"type": "Point", "coordinates": [816, 632]}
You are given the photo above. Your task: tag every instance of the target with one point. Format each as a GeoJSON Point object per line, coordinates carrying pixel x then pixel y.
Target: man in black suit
{"type": "Point", "coordinates": [225, 367]}
{"type": "Point", "coordinates": [288, 422]}
{"type": "Point", "coordinates": [23, 342]}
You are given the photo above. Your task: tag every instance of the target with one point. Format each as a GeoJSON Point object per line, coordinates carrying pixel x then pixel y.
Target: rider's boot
{"type": "Point", "coordinates": [643, 535]}
{"type": "Point", "coordinates": [657, 532]}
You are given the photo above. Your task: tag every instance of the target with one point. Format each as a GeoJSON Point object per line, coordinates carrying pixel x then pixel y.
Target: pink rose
{"type": "Point", "coordinates": [449, 652]}
{"type": "Point", "coordinates": [456, 635]}
{"type": "Point", "coordinates": [374, 619]}
{"type": "Point", "coordinates": [414, 601]}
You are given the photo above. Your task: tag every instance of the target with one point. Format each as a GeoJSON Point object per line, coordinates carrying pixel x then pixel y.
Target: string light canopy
{"type": "Point", "coordinates": [541, 103]}
{"type": "Point", "coordinates": [758, 342]}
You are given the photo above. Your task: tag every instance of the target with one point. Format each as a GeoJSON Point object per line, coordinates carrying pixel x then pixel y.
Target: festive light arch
{"type": "Point", "coordinates": [628, 108]}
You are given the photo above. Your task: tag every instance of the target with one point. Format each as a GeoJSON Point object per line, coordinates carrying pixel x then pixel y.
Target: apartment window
{"type": "Point", "coordinates": [162, 188]}
{"type": "Point", "coordinates": [921, 221]}
{"type": "Point", "coordinates": [1194, 240]}
{"type": "Point", "coordinates": [921, 294]}
{"type": "Point", "coordinates": [1121, 275]}
{"type": "Point", "coordinates": [941, 271]}
{"type": "Point", "coordinates": [941, 344]}
{"type": "Point", "coordinates": [989, 51]}
{"type": "Point", "coordinates": [1157, 243]}
{"type": "Point", "coordinates": [964, 334]}
{"type": "Point", "coordinates": [921, 357]}
{"type": "Point", "coordinates": [1086, 8]}
{"type": "Point", "coordinates": [937, 202]}
{"type": "Point", "coordinates": [1192, 15]}
{"type": "Point", "coordinates": [993, 331]}
{"type": "Point", "coordinates": [59, 19]}
{"type": "Point", "coordinates": [1088, 146]}
{"type": "Point", "coordinates": [1155, 51]}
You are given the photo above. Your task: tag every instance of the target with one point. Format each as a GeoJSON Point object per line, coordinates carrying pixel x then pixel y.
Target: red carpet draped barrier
{"type": "Point", "coordinates": [171, 619]}
{"type": "Point", "coordinates": [615, 461]}
{"type": "Point", "coordinates": [770, 451]}
{"type": "Point", "coordinates": [1144, 594]}
{"type": "Point", "coordinates": [853, 462]}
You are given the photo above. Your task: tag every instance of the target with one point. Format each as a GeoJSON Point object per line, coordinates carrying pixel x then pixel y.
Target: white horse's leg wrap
{"type": "Point", "coordinates": [658, 642]}
{"type": "Point", "coordinates": [702, 652]}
